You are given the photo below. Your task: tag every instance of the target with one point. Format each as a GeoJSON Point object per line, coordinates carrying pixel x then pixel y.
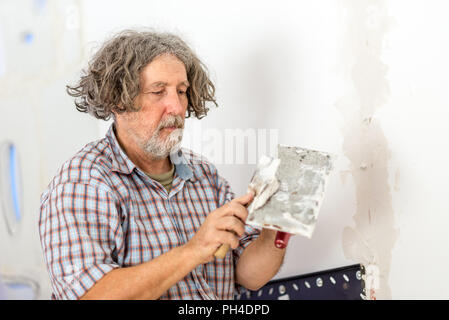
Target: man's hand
{"type": "Point", "coordinates": [222, 226]}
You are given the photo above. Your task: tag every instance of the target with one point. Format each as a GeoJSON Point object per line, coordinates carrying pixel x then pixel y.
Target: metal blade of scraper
{"type": "Point", "coordinates": [264, 184]}
{"type": "Point", "coordinates": [294, 208]}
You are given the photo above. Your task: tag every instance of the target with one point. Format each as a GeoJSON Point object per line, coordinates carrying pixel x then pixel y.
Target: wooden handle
{"type": "Point", "coordinates": [221, 252]}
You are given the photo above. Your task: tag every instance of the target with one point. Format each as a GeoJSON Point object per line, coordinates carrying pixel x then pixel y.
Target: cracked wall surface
{"type": "Point", "coordinates": [371, 239]}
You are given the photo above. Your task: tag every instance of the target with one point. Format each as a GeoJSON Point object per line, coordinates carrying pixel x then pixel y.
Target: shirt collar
{"type": "Point", "coordinates": [121, 163]}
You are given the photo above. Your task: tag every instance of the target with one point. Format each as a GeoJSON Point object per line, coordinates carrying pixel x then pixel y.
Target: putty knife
{"type": "Point", "coordinates": [293, 209]}
{"type": "Point", "coordinates": [288, 191]}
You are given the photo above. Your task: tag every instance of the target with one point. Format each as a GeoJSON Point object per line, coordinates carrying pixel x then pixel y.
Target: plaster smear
{"type": "Point", "coordinates": [373, 237]}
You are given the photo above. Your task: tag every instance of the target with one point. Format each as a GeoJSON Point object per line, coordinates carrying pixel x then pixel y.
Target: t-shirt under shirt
{"type": "Point", "coordinates": [165, 178]}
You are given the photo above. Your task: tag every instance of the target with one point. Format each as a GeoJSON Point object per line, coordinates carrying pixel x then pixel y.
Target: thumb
{"type": "Point", "coordinates": [245, 199]}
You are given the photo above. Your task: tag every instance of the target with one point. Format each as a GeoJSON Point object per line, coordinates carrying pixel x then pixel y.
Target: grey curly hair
{"type": "Point", "coordinates": [112, 79]}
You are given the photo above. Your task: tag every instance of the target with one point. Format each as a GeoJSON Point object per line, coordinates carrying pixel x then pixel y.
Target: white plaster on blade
{"type": "Point", "coordinates": [294, 208]}
{"type": "Point", "coordinates": [264, 182]}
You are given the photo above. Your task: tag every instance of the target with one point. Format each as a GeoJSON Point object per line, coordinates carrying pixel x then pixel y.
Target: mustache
{"type": "Point", "coordinates": [175, 121]}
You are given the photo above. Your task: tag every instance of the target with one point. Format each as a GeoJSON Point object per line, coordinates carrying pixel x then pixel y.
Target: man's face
{"type": "Point", "coordinates": [158, 126]}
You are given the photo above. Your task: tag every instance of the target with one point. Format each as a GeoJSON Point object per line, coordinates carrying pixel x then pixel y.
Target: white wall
{"type": "Point", "coordinates": [38, 116]}
{"type": "Point", "coordinates": [365, 80]}
{"type": "Point", "coordinates": [415, 123]}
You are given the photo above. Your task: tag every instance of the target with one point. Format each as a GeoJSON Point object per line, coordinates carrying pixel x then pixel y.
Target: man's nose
{"type": "Point", "coordinates": [174, 103]}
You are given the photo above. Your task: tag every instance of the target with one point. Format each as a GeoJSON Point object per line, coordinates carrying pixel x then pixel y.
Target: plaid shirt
{"type": "Point", "coordinates": [101, 212]}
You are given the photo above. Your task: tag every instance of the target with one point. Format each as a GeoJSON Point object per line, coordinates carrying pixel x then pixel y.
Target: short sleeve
{"type": "Point", "coordinates": [226, 195]}
{"type": "Point", "coordinates": [80, 233]}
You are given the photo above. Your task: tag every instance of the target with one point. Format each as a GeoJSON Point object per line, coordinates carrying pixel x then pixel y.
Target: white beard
{"type": "Point", "coordinates": [159, 149]}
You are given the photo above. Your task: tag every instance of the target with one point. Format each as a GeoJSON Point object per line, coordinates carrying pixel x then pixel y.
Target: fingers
{"type": "Point", "coordinates": [232, 223]}
{"type": "Point", "coordinates": [236, 210]}
{"type": "Point", "coordinates": [228, 238]}
{"type": "Point", "coordinates": [237, 207]}
{"type": "Point", "coordinates": [225, 225]}
{"type": "Point", "coordinates": [245, 199]}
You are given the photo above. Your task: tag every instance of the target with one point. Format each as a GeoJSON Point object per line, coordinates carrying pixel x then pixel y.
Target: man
{"type": "Point", "coordinates": [133, 216]}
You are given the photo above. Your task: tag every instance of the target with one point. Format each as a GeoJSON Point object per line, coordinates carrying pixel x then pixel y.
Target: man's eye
{"type": "Point", "coordinates": [157, 92]}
